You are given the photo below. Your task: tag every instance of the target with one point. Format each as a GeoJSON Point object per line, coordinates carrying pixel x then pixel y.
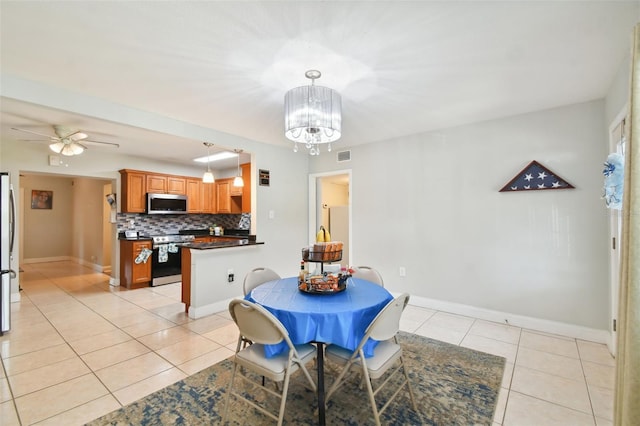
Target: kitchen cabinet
{"type": "Point", "coordinates": [132, 274]}
{"type": "Point", "coordinates": [157, 184]}
{"type": "Point", "coordinates": [194, 196]}
{"type": "Point", "coordinates": [246, 189]}
{"type": "Point", "coordinates": [134, 190]}
{"type": "Point", "coordinates": [208, 197]}
{"type": "Point", "coordinates": [223, 196]}
{"type": "Point", "coordinates": [235, 191]}
{"type": "Point", "coordinates": [176, 185]}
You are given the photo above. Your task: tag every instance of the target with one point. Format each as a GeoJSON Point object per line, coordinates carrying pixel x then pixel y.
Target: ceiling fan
{"type": "Point", "coordinates": [67, 141]}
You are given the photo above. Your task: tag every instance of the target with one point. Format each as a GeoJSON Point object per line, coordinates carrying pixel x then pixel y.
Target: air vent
{"type": "Point", "coordinates": [344, 156]}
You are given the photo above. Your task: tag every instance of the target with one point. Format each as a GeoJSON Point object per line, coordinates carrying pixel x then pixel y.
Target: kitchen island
{"type": "Point", "coordinates": [206, 267]}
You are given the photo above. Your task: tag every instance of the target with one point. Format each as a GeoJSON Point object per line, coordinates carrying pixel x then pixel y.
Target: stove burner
{"type": "Point", "coordinates": [172, 238]}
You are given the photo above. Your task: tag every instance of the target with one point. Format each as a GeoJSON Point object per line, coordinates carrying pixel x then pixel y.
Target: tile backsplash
{"type": "Point", "coordinates": [172, 223]}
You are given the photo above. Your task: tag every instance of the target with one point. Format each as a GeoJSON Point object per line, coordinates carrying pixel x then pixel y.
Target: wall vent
{"type": "Point", "coordinates": [344, 156]}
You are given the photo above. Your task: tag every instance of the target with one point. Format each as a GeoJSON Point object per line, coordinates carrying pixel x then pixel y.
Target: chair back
{"type": "Point", "coordinates": [257, 324]}
{"type": "Point", "coordinates": [387, 323]}
{"type": "Point", "coordinates": [257, 276]}
{"type": "Point", "coordinates": [369, 274]}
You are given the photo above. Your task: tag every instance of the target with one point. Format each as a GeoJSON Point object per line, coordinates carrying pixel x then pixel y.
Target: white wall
{"type": "Point", "coordinates": [430, 203]}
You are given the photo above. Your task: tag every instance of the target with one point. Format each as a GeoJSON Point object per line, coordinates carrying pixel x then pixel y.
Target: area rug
{"type": "Point", "coordinates": [452, 386]}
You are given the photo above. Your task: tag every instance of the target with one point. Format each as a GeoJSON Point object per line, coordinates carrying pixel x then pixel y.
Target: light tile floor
{"type": "Point", "coordinates": [80, 348]}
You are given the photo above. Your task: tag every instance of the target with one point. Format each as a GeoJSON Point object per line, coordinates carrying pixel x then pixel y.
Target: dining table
{"type": "Point", "coordinates": [340, 318]}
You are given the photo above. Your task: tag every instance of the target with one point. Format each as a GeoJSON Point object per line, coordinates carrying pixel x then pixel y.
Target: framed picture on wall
{"type": "Point", "coordinates": [41, 199]}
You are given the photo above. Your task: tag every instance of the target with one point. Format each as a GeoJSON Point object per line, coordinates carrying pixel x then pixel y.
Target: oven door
{"type": "Point", "coordinates": [166, 264]}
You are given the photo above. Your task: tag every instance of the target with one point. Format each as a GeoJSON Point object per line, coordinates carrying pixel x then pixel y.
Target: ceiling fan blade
{"type": "Point", "coordinates": [101, 143]}
{"type": "Point", "coordinates": [77, 136]}
{"type": "Point", "coordinates": [79, 144]}
{"type": "Point", "coordinates": [36, 133]}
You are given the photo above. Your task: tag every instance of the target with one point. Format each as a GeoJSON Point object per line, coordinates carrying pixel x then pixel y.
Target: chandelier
{"type": "Point", "coordinates": [313, 115]}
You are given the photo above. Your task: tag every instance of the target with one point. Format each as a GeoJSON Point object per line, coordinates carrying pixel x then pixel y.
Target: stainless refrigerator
{"type": "Point", "coordinates": [7, 236]}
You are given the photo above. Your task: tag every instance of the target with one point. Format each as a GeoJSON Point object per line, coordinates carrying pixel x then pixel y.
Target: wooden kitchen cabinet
{"type": "Point", "coordinates": [157, 184]}
{"type": "Point", "coordinates": [194, 195]}
{"type": "Point", "coordinates": [134, 190]}
{"type": "Point", "coordinates": [132, 274]}
{"type": "Point", "coordinates": [208, 197]}
{"type": "Point", "coordinates": [223, 196]}
{"type": "Point", "coordinates": [176, 185]}
{"type": "Point", "coordinates": [246, 189]}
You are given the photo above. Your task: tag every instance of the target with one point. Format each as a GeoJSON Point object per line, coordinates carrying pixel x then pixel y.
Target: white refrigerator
{"type": "Point", "coordinates": [7, 235]}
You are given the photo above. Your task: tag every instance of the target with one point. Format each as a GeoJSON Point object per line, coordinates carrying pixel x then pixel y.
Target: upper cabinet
{"type": "Point", "coordinates": [134, 188]}
{"type": "Point", "coordinates": [246, 189]}
{"type": "Point", "coordinates": [218, 197]}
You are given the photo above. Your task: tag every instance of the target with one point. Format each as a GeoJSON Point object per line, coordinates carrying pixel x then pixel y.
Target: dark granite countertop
{"type": "Point", "coordinates": [240, 242]}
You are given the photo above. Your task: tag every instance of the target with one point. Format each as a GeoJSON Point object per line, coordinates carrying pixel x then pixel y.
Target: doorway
{"type": "Point", "coordinates": [330, 206]}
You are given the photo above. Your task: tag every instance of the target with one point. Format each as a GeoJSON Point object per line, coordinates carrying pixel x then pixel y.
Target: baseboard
{"type": "Point", "coordinates": [213, 308]}
{"type": "Point", "coordinates": [531, 323]}
{"type": "Point", "coordinates": [47, 259]}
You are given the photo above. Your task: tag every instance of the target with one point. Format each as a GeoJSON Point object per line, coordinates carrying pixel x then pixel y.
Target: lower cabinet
{"type": "Point", "coordinates": [135, 267]}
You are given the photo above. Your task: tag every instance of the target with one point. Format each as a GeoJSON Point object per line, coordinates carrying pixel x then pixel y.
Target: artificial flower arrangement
{"type": "Point", "coordinates": [613, 180]}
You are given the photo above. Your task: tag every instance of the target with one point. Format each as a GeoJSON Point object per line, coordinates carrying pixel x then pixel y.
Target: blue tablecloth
{"type": "Point", "coordinates": [340, 318]}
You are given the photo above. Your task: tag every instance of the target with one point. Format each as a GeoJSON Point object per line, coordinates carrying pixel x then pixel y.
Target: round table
{"type": "Point", "coordinates": [339, 318]}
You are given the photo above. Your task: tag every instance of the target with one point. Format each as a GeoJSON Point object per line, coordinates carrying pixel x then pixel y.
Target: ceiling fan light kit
{"type": "Point", "coordinates": [66, 141]}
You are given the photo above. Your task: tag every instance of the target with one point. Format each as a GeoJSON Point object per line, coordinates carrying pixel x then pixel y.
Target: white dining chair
{"type": "Point", "coordinates": [369, 274]}
{"type": "Point", "coordinates": [262, 328]}
{"type": "Point", "coordinates": [258, 276]}
{"type": "Point", "coordinates": [384, 328]}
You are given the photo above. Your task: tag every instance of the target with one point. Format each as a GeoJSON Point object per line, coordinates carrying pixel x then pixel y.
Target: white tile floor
{"type": "Point", "coordinates": [80, 348]}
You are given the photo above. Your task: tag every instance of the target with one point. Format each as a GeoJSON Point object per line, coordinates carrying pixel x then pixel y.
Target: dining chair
{"type": "Point", "coordinates": [262, 328]}
{"type": "Point", "coordinates": [384, 328]}
{"type": "Point", "coordinates": [258, 276]}
{"type": "Point", "coordinates": [369, 274]}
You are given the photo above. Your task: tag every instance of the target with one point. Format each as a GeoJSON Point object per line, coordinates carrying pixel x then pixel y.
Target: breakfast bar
{"type": "Point", "coordinates": [206, 267]}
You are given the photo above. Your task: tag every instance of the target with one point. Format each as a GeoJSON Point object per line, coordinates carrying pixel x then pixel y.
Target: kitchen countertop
{"type": "Point", "coordinates": [240, 242]}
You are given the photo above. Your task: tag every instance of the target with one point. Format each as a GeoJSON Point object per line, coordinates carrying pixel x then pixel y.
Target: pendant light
{"type": "Point", "coordinates": [208, 176]}
{"type": "Point", "coordinates": [238, 181]}
{"type": "Point", "coordinates": [313, 115]}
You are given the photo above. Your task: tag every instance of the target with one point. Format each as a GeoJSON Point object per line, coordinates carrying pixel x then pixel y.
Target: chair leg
{"type": "Point", "coordinates": [283, 398]}
{"type": "Point", "coordinates": [406, 376]}
{"type": "Point", "coordinates": [372, 399]}
{"type": "Point", "coordinates": [230, 388]}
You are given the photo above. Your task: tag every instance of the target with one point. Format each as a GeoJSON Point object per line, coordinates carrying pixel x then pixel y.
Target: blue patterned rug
{"type": "Point", "coordinates": [452, 386]}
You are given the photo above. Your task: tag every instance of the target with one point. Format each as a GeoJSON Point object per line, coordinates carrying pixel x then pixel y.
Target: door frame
{"type": "Point", "coordinates": [313, 204]}
{"type": "Point", "coordinates": [615, 231]}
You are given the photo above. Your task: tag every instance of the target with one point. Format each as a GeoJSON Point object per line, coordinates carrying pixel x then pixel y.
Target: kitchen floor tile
{"type": "Point", "coordinates": [84, 413]}
{"type": "Point", "coordinates": [558, 390]}
{"type": "Point", "coordinates": [553, 344]}
{"type": "Point", "coordinates": [458, 323]}
{"type": "Point", "coordinates": [126, 373]}
{"type": "Point", "coordinates": [595, 352]}
{"type": "Point", "coordinates": [440, 333]}
{"type": "Point", "coordinates": [524, 410]}
{"type": "Point", "coordinates": [100, 341]}
{"type": "Point", "coordinates": [187, 349]}
{"type": "Point", "coordinates": [558, 365]}
{"type": "Point", "coordinates": [496, 331]}
{"type": "Point", "coordinates": [491, 346]}
{"type": "Point", "coordinates": [224, 335]}
{"type": "Point", "coordinates": [5, 392]}
{"type": "Point", "coordinates": [602, 402]}
{"type": "Point", "coordinates": [208, 359]}
{"type": "Point", "coordinates": [29, 361]}
{"type": "Point", "coordinates": [111, 355]}
{"type": "Point", "coordinates": [15, 347]}
{"type": "Point", "coordinates": [138, 390]}
{"type": "Point", "coordinates": [206, 324]}
{"type": "Point", "coordinates": [148, 327]}
{"type": "Point", "coordinates": [599, 374]}
{"type": "Point", "coordinates": [501, 405]}
{"type": "Point", "coordinates": [59, 398]}
{"type": "Point", "coordinates": [49, 375]}
{"type": "Point", "coordinates": [163, 338]}
{"type": "Point", "coordinates": [8, 414]}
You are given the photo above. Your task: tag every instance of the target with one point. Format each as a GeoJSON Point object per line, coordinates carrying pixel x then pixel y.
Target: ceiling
{"type": "Point", "coordinates": [401, 67]}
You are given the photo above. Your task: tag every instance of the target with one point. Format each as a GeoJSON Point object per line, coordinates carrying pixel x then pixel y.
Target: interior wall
{"type": "Point", "coordinates": [47, 232]}
{"type": "Point", "coordinates": [88, 222]}
{"type": "Point", "coordinates": [430, 203]}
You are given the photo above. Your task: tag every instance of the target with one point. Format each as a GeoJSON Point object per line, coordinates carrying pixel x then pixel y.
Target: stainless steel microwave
{"type": "Point", "coordinates": [166, 204]}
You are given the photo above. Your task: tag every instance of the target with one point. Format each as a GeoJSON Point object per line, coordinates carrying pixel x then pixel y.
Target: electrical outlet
{"type": "Point", "coordinates": [403, 271]}
{"type": "Point", "coordinates": [230, 275]}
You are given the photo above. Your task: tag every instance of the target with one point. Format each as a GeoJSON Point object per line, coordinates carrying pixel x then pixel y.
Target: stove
{"type": "Point", "coordinates": [172, 239]}
{"type": "Point", "coordinates": [166, 259]}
